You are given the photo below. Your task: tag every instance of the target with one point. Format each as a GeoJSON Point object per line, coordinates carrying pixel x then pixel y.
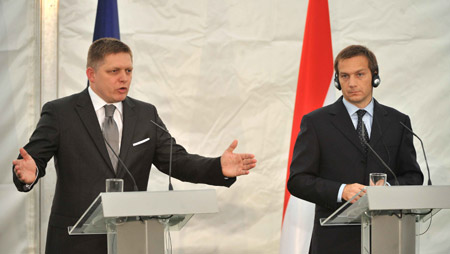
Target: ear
{"type": "Point", "coordinates": [90, 73]}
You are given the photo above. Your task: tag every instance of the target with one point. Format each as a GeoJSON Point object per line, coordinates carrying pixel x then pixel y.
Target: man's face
{"type": "Point", "coordinates": [356, 80]}
{"type": "Point", "coordinates": [111, 78]}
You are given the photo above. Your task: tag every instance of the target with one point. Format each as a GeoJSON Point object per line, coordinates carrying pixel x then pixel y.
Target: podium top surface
{"type": "Point", "coordinates": [391, 198]}
{"type": "Point", "coordinates": [117, 204]}
{"type": "Point", "coordinates": [177, 207]}
{"type": "Point", "coordinates": [408, 197]}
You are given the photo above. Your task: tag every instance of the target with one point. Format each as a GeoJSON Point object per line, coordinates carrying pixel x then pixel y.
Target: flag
{"type": "Point", "coordinates": [107, 20]}
{"type": "Point", "coordinates": [314, 89]}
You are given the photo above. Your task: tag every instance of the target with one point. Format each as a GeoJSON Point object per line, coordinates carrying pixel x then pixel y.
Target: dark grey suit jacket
{"type": "Point", "coordinates": [68, 130]}
{"type": "Point", "coordinates": [328, 153]}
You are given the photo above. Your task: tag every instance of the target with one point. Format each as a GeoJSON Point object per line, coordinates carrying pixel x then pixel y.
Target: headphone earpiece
{"type": "Point", "coordinates": [376, 80]}
{"type": "Point", "coordinates": [336, 81]}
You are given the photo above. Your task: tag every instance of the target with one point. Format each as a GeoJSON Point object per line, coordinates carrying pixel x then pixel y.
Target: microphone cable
{"type": "Point", "coordinates": [170, 155]}
{"type": "Point", "coordinates": [122, 164]}
{"type": "Point", "coordinates": [378, 156]}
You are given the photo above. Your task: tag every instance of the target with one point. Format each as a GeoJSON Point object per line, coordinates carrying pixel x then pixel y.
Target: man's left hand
{"type": "Point", "coordinates": [236, 164]}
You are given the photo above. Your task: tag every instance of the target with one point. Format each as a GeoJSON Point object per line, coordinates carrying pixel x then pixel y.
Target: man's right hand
{"type": "Point", "coordinates": [25, 169]}
{"type": "Point", "coordinates": [351, 190]}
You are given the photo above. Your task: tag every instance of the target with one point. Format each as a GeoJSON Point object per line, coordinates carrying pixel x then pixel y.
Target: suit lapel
{"type": "Point", "coordinates": [342, 121]}
{"type": "Point", "coordinates": [129, 124]}
{"type": "Point", "coordinates": [380, 118]}
{"type": "Point", "coordinates": [89, 119]}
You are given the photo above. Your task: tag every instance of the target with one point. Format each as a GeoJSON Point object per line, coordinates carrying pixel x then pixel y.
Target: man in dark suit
{"type": "Point", "coordinates": [72, 130]}
{"type": "Point", "coordinates": [331, 163]}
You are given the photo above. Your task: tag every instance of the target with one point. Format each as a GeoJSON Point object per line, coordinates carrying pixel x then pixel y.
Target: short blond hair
{"type": "Point", "coordinates": [100, 48]}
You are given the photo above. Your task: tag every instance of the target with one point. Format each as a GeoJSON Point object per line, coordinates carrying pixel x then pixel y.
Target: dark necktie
{"type": "Point", "coordinates": [111, 133]}
{"type": "Point", "coordinates": [362, 130]}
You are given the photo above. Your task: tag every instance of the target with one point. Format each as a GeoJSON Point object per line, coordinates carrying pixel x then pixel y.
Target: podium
{"type": "Point", "coordinates": [136, 222]}
{"type": "Point", "coordinates": [388, 216]}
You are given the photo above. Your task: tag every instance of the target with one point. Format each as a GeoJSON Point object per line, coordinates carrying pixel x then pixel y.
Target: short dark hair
{"type": "Point", "coordinates": [105, 46]}
{"type": "Point", "coordinates": [357, 50]}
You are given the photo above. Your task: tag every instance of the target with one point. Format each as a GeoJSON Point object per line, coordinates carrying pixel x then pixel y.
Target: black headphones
{"type": "Point", "coordinates": [375, 80]}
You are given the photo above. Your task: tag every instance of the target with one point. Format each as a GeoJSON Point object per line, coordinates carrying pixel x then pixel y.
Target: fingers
{"type": "Point", "coordinates": [17, 170]}
{"type": "Point", "coordinates": [234, 164]}
{"type": "Point", "coordinates": [25, 169]}
{"type": "Point", "coordinates": [232, 146]}
{"type": "Point", "coordinates": [243, 172]}
{"type": "Point", "coordinates": [248, 160]}
{"type": "Point", "coordinates": [355, 199]}
{"type": "Point", "coordinates": [245, 156]}
{"type": "Point", "coordinates": [16, 162]}
{"type": "Point", "coordinates": [24, 154]}
{"type": "Point", "coordinates": [351, 190]}
{"type": "Point", "coordinates": [248, 164]}
{"type": "Point", "coordinates": [248, 167]}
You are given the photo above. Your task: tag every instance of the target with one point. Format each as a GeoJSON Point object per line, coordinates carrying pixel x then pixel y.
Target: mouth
{"type": "Point", "coordinates": [123, 90]}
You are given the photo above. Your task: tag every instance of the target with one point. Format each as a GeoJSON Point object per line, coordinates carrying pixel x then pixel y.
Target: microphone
{"type": "Point", "coordinates": [423, 150]}
{"type": "Point", "coordinates": [378, 156]}
{"type": "Point", "coordinates": [123, 165]}
{"type": "Point", "coordinates": [170, 156]}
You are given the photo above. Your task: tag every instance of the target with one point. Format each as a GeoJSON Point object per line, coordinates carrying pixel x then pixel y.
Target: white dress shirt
{"type": "Point", "coordinates": [99, 104]}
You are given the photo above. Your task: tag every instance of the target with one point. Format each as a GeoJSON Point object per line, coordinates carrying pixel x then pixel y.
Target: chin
{"type": "Point", "coordinates": [356, 98]}
{"type": "Point", "coordinates": [120, 98]}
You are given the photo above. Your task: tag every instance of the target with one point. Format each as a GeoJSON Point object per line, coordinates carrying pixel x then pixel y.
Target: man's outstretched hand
{"type": "Point", "coordinates": [236, 164]}
{"type": "Point", "coordinates": [25, 168]}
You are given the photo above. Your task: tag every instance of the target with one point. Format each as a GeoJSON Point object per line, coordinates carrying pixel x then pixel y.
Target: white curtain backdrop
{"type": "Point", "coordinates": [19, 105]}
{"type": "Point", "coordinates": [219, 70]}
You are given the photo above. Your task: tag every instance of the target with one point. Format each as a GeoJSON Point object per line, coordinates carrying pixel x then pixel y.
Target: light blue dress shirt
{"type": "Point", "coordinates": [367, 119]}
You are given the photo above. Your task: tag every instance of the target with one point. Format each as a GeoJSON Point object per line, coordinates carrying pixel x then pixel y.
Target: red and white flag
{"type": "Point", "coordinates": [314, 90]}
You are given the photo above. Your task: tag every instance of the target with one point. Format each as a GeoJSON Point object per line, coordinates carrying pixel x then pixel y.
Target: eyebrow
{"type": "Point", "coordinates": [120, 67]}
{"type": "Point", "coordinates": [360, 70]}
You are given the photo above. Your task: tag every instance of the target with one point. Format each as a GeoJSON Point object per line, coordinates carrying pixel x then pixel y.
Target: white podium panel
{"type": "Point", "coordinates": [135, 222]}
{"type": "Point", "coordinates": [388, 214]}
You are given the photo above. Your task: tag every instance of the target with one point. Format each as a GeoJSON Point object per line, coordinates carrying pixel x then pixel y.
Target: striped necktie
{"type": "Point", "coordinates": [362, 130]}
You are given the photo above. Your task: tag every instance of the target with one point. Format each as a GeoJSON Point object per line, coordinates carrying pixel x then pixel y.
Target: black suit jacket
{"type": "Point", "coordinates": [328, 154]}
{"type": "Point", "coordinates": [68, 130]}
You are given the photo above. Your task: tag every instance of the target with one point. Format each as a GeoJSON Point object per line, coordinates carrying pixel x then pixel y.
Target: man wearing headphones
{"type": "Point", "coordinates": [331, 161]}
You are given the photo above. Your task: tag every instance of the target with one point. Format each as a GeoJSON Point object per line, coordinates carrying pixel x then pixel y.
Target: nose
{"type": "Point", "coordinates": [352, 80]}
{"type": "Point", "coordinates": [123, 76]}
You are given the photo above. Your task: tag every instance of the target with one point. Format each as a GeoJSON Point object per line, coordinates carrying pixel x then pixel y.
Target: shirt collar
{"type": "Point", "coordinates": [351, 109]}
{"type": "Point", "coordinates": [98, 102]}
